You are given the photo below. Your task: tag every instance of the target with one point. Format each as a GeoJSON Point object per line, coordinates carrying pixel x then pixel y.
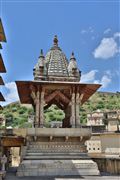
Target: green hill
{"type": "Point", "coordinates": [17, 114]}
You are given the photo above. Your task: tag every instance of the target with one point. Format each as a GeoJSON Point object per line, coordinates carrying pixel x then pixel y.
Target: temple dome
{"type": "Point", "coordinates": [55, 66]}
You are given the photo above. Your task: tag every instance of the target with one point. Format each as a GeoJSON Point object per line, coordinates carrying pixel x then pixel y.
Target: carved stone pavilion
{"type": "Point", "coordinates": [56, 81]}
{"type": "Point", "coordinates": [56, 151]}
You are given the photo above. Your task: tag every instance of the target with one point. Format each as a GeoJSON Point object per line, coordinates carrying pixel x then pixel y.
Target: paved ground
{"type": "Point", "coordinates": [11, 176]}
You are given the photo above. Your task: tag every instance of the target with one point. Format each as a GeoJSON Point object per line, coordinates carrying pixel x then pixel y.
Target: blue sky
{"type": "Point", "coordinates": [89, 28]}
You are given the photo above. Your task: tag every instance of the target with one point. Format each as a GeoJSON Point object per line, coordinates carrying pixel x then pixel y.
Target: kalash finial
{"type": "Point", "coordinates": [41, 53]}
{"type": "Point", "coordinates": [72, 53]}
{"type": "Point", "coordinates": [55, 40]}
{"type": "Point", "coordinates": [72, 56]}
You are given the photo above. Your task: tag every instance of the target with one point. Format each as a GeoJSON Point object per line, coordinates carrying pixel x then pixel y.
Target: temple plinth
{"type": "Point", "coordinates": [56, 81]}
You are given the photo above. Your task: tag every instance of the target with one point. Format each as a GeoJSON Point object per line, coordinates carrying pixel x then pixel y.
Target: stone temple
{"type": "Point", "coordinates": [56, 151]}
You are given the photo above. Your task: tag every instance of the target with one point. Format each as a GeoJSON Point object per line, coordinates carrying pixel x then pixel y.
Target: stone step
{"type": "Point", "coordinates": [38, 157]}
{"type": "Point", "coordinates": [53, 157]}
{"type": "Point", "coordinates": [54, 154]}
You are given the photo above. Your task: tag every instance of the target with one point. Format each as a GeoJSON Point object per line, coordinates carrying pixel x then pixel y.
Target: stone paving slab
{"type": "Point", "coordinates": [11, 176]}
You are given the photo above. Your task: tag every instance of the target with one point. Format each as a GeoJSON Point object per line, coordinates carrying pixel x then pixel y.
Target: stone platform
{"type": "Point", "coordinates": [57, 167]}
{"type": "Point", "coordinates": [57, 152]}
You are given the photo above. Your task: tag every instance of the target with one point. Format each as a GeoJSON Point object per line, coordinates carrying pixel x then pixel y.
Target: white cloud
{"type": "Point", "coordinates": [105, 81]}
{"type": "Point", "coordinates": [107, 48]}
{"type": "Point", "coordinates": [88, 77]}
{"type": "Point", "coordinates": [109, 73]}
{"type": "Point", "coordinates": [117, 34]}
{"type": "Point", "coordinates": [83, 31]}
{"type": "Point", "coordinates": [88, 30]}
{"type": "Point", "coordinates": [11, 95]}
{"type": "Point", "coordinates": [107, 31]}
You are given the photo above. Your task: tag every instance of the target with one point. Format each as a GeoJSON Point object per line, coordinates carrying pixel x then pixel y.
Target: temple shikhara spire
{"type": "Point", "coordinates": [55, 66]}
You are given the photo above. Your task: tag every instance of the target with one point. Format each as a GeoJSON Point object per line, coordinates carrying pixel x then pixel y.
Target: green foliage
{"type": "Point", "coordinates": [17, 114]}
{"type": "Point", "coordinates": [53, 113]}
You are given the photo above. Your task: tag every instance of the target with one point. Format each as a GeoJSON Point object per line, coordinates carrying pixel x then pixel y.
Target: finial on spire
{"type": "Point", "coordinates": [41, 53]}
{"type": "Point", "coordinates": [72, 53]}
{"type": "Point", "coordinates": [55, 40]}
{"type": "Point", "coordinates": [72, 56]}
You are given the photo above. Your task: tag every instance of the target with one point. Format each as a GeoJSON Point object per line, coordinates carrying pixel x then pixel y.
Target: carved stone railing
{"type": "Point", "coordinates": [57, 147]}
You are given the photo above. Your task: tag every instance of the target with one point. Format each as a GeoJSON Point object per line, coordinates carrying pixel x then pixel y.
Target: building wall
{"type": "Point", "coordinates": [110, 143]}
{"type": "Point", "coordinates": [108, 165]}
{"type": "Point", "coordinates": [111, 119]}
{"type": "Point", "coordinates": [95, 118]}
{"type": "Point", "coordinates": [113, 125]}
{"type": "Point", "coordinates": [94, 144]}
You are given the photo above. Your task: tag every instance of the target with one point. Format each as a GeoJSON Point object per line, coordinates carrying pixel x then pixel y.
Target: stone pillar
{"type": "Point", "coordinates": [72, 119]}
{"type": "Point", "coordinates": [80, 103]}
{"type": "Point", "coordinates": [77, 109]}
{"type": "Point", "coordinates": [66, 121]}
{"type": "Point", "coordinates": [42, 108]}
{"type": "Point", "coordinates": [37, 109]}
{"type": "Point", "coordinates": [35, 94]}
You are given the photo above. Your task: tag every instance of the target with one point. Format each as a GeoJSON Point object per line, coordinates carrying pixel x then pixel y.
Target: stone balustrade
{"type": "Point", "coordinates": [57, 147]}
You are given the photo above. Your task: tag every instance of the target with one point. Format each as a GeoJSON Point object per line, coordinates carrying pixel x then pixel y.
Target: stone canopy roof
{"type": "Point", "coordinates": [55, 66]}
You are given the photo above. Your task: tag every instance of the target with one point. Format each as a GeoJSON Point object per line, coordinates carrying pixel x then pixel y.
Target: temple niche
{"type": "Point", "coordinates": [56, 81]}
{"type": "Point", "coordinates": [56, 151]}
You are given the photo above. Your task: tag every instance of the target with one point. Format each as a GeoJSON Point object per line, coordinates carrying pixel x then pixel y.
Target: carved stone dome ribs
{"type": "Point", "coordinates": [57, 64]}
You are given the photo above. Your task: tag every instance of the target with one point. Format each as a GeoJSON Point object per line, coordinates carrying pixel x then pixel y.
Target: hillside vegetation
{"type": "Point", "coordinates": [17, 114]}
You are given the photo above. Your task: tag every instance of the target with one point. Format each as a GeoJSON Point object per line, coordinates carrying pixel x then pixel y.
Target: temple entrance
{"type": "Point", "coordinates": [53, 116]}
